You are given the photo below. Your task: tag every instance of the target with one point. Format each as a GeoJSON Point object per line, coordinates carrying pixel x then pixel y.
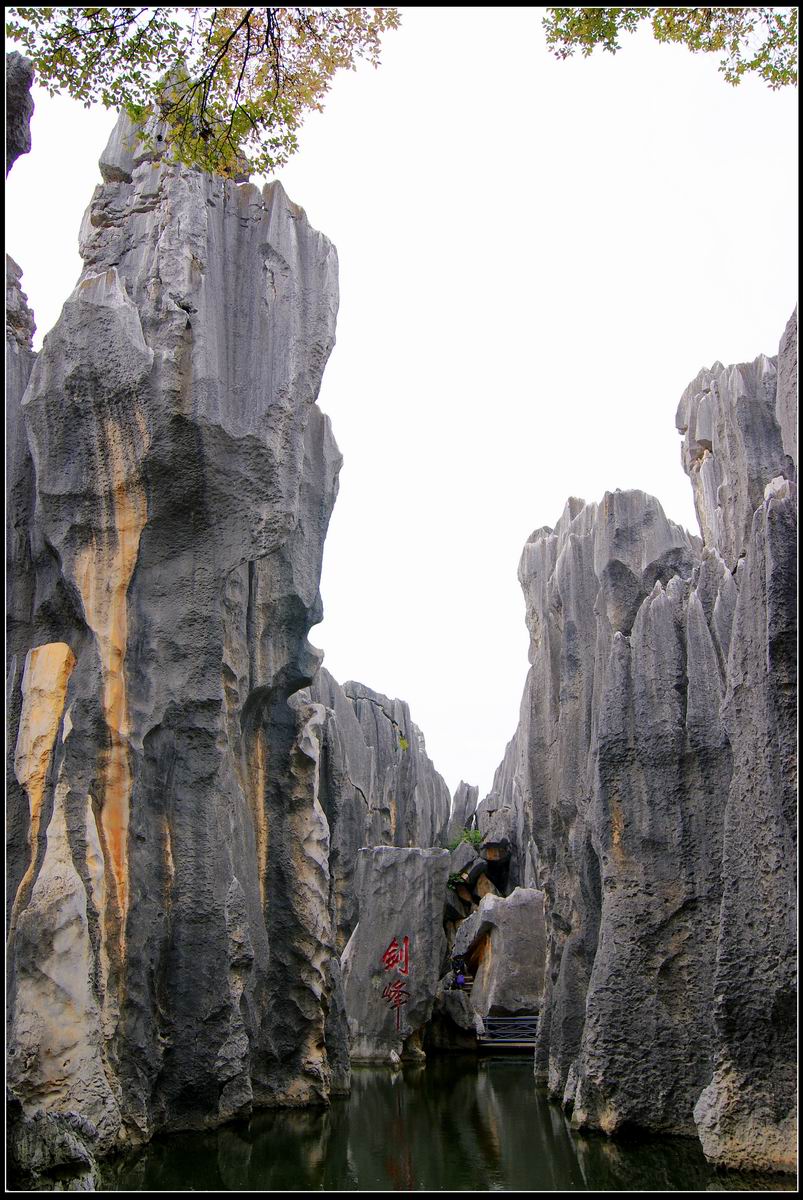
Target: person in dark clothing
{"type": "Point", "coordinates": [459, 968]}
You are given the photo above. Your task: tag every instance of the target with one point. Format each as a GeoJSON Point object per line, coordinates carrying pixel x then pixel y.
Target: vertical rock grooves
{"type": "Point", "coordinates": [20, 637]}
{"type": "Point", "coordinates": [378, 786]}
{"type": "Point", "coordinates": [102, 571]}
{"type": "Point", "coordinates": [19, 107]}
{"type": "Point", "coordinates": [44, 688]}
{"type": "Point", "coordinates": [173, 478]}
{"type": "Point", "coordinates": [649, 786]}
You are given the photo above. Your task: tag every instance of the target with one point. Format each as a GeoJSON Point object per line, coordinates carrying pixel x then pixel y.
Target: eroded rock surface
{"type": "Point", "coordinates": [464, 806]}
{"type": "Point", "coordinates": [20, 359]}
{"type": "Point", "coordinates": [747, 1115]}
{"type": "Point", "coordinates": [19, 107]}
{"type": "Point", "coordinates": [378, 785]}
{"type": "Point", "coordinates": [786, 396]}
{"type": "Point", "coordinates": [504, 945]}
{"type": "Point", "coordinates": [733, 445]}
{"type": "Point", "coordinates": [454, 1025]}
{"type": "Point", "coordinates": [171, 944]}
{"type": "Point", "coordinates": [392, 962]}
{"type": "Point", "coordinates": [648, 787]}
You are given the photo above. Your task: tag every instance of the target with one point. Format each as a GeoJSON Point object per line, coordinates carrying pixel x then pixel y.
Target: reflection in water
{"type": "Point", "coordinates": [457, 1124]}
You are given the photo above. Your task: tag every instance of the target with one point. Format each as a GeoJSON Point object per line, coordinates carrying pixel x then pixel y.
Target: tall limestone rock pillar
{"type": "Point", "coordinates": [20, 358]}
{"type": "Point", "coordinates": [170, 940]}
{"type": "Point", "coordinates": [740, 450]}
{"type": "Point", "coordinates": [654, 772]}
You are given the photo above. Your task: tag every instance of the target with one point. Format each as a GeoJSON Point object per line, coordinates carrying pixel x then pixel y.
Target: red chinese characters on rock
{"type": "Point", "coordinates": [396, 996]}
{"type": "Point", "coordinates": [397, 957]}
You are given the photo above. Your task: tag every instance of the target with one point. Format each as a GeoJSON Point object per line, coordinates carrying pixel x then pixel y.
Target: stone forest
{"type": "Point", "coordinates": [233, 881]}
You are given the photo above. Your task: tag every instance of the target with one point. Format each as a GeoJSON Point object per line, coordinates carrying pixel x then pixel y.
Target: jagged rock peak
{"type": "Point", "coordinates": [733, 444]}
{"type": "Point", "coordinates": [19, 107]}
{"type": "Point", "coordinates": [786, 398]}
{"type": "Point", "coordinates": [130, 144]}
{"type": "Point", "coordinates": [464, 806]}
{"type": "Point", "coordinates": [631, 542]}
{"type": "Point", "coordinates": [20, 325]}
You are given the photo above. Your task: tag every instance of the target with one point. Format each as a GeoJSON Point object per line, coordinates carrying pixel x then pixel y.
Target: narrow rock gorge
{"type": "Point", "coordinates": [230, 876]}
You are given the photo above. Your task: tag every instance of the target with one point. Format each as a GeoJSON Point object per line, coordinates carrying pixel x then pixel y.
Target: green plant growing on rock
{"type": "Point", "coordinates": [472, 836]}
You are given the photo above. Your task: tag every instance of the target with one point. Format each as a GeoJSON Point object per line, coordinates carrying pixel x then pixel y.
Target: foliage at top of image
{"type": "Point", "coordinates": [760, 41]}
{"type": "Point", "coordinates": [473, 836]}
{"type": "Point", "coordinates": [232, 85]}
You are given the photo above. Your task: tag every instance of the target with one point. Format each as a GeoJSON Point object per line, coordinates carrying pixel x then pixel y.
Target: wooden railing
{"type": "Point", "coordinates": [520, 1031]}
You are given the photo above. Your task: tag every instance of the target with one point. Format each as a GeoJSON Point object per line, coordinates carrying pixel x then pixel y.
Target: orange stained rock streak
{"type": "Point", "coordinates": [44, 690]}
{"type": "Point", "coordinates": [258, 780]}
{"type": "Point", "coordinates": [103, 571]}
{"type": "Point", "coordinates": [617, 830]}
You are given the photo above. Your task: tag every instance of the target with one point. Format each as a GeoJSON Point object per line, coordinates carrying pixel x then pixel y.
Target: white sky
{"type": "Point", "coordinates": [536, 257]}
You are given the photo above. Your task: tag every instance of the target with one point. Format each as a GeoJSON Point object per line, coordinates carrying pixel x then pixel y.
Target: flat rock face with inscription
{"type": "Point", "coordinates": [392, 963]}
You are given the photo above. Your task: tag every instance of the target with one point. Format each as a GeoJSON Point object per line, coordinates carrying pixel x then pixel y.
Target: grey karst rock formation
{"type": "Point", "coordinates": [747, 1114]}
{"type": "Point", "coordinates": [455, 1025]}
{"type": "Point", "coordinates": [19, 107]}
{"type": "Point", "coordinates": [471, 877]}
{"type": "Point", "coordinates": [392, 962]}
{"type": "Point", "coordinates": [170, 946]}
{"type": "Point", "coordinates": [129, 146]}
{"type": "Point", "coordinates": [732, 447]}
{"type": "Point", "coordinates": [464, 806]}
{"type": "Point", "coordinates": [504, 946]}
{"type": "Point", "coordinates": [503, 820]}
{"type": "Point", "coordinates": [337, 1033]}
{"type": "Point", "coordinates": [377, 787]}
{"type": "Point", "coordinates": [20, 359]}
{"type": "Point", "coordinates": [46, 1142]}
{"type": "Point", "coordinates": [413, 800]}
{"type": "Point", "coordinates": [463, 858]}
{"type": "Point", "coordinates": [648, 789]}
{"type": "Point", "coordinates": [786, 394]}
